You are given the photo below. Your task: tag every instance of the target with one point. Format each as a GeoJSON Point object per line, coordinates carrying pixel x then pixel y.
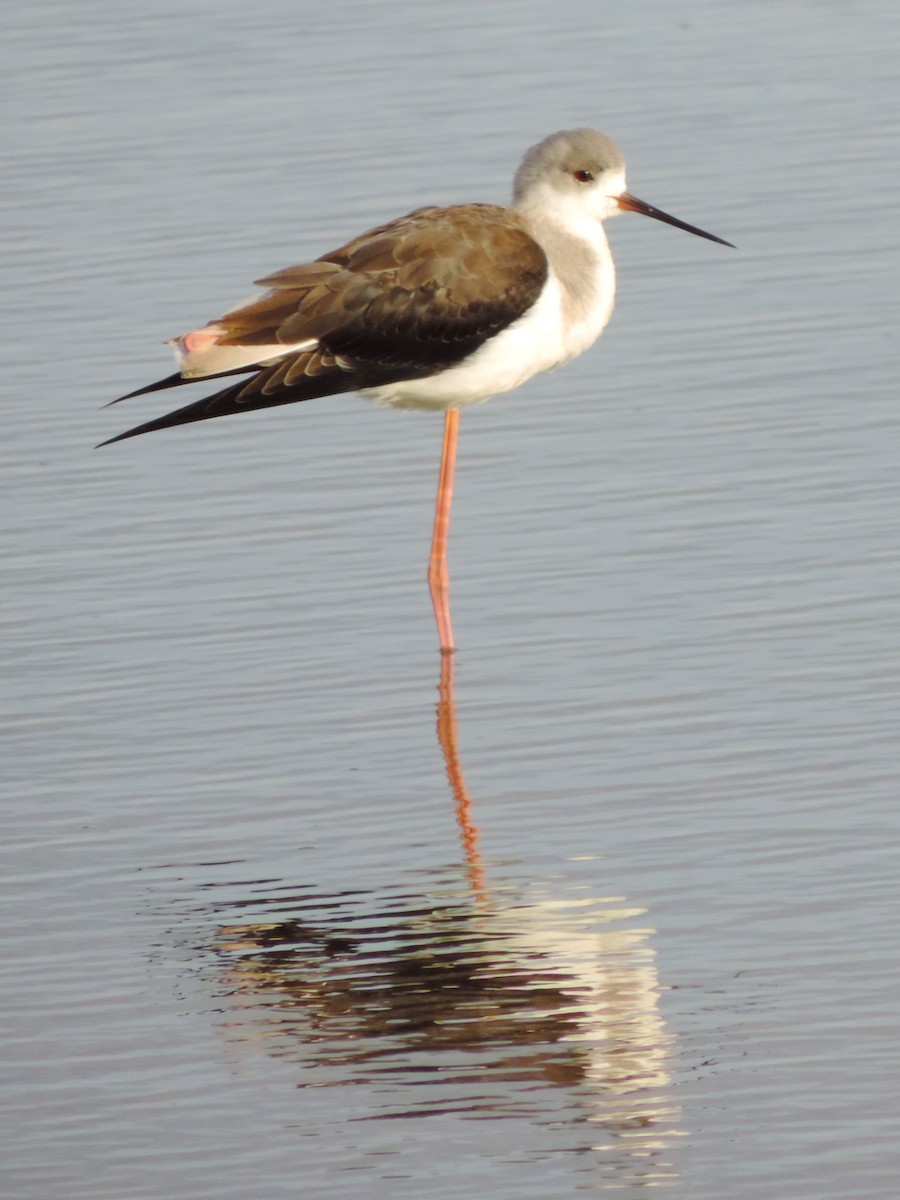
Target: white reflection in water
{"type": "Point", "coordinates": [511, 1002]}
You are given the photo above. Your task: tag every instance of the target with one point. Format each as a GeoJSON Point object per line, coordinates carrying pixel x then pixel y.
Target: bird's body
{"type": "Point", "coordinates": [438, 309]}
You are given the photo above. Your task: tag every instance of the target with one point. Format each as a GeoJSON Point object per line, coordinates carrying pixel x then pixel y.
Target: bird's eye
{"type": "Point", "coordinates": [583, 176]}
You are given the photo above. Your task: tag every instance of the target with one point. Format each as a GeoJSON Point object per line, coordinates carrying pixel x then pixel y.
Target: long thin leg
{"type": "Point", "coordinates": [438, 575]}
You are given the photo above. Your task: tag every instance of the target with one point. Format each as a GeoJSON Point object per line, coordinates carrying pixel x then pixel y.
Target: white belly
{"type": "Point", "coordinates": [540, 339]}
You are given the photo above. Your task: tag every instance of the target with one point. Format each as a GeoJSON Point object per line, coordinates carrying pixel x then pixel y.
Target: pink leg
{"type": "Point", "coordinates": [438, 575]}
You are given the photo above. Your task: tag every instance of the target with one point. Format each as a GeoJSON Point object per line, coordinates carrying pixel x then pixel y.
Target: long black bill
{"type": "Point", "coordinates": [632, 204]}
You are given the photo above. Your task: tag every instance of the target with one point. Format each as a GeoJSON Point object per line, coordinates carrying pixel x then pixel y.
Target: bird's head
{"type": "Point", "coordinates": [578, 176]}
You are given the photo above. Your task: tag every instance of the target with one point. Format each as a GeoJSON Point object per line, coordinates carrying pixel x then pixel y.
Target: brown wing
{"type": "Point", "coordinates": [403, 301]}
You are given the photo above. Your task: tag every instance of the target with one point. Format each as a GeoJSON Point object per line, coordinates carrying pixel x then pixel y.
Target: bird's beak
{"type": "Point", "coordinates": [631, 203]}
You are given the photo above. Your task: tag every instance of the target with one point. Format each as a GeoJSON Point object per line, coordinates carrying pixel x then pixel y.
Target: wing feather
{"type": "Point", "coordinates": [403, 301]}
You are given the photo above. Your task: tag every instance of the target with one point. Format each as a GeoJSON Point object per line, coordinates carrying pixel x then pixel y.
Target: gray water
{"type": "Point", "coordinates": [252, 949]}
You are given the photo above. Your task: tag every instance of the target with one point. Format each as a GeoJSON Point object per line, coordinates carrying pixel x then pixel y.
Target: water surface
{"type": "Point", "coordinates": [282, 920]}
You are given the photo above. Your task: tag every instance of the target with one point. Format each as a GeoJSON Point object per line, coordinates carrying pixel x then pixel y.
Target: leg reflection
{"type": "Point", "coordinates": [448, 738]}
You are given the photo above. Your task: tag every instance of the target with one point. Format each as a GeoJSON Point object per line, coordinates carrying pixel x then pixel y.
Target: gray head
{"type": "Point", "coordinates": [578, 175]}
{"type": "Point", "coordinates": [566, 159]}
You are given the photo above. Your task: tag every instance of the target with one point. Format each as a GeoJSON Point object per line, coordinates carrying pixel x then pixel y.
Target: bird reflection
{"type": "Point", "coordinates": [455, 994]}
{"type": "Point", "coordinates": [465, 1006]}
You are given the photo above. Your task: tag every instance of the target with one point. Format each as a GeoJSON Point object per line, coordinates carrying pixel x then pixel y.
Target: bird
{"type": "Point", "coordinates": [441, 308]}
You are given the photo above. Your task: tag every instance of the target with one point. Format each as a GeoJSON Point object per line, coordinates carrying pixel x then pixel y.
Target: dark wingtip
{"type": "Point", "coordinates": [169, 382]}
{"type": "Point", "coordinates": [249, 395]}
{"type": "Point", "coordinates": [147, 427]}
{"type": "Point", "coordinates": [193, 412]}
{"type": "Point", "coordinates": [179, 380]}
{"type": "Point", "coordinates": [182, 416]}
{"type": "Point", "coordinates": [220, 404]}
{"type": "Point", "coordinates": [118, 438]}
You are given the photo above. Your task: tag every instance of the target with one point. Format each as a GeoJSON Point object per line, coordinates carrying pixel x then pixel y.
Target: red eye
{"type": "Point", "coordinates": [583, 176]}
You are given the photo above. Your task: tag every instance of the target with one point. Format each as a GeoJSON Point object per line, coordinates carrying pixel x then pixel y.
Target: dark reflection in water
{"type": "Point", "coordinates": [514, 1002]}
{"type": "Point", "coordinates": [447, 993]}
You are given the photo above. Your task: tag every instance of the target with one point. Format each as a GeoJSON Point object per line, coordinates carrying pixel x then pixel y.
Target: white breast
{"type": "Point", "coordinates": [553, 331]}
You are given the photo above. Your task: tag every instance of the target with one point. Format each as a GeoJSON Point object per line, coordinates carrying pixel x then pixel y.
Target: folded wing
{"type": "Point", "coordinates": [404, 301]}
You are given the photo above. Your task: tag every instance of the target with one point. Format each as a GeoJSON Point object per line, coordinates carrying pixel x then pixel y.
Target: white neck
{"type": "Point", "coordinates": [578, 254]}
